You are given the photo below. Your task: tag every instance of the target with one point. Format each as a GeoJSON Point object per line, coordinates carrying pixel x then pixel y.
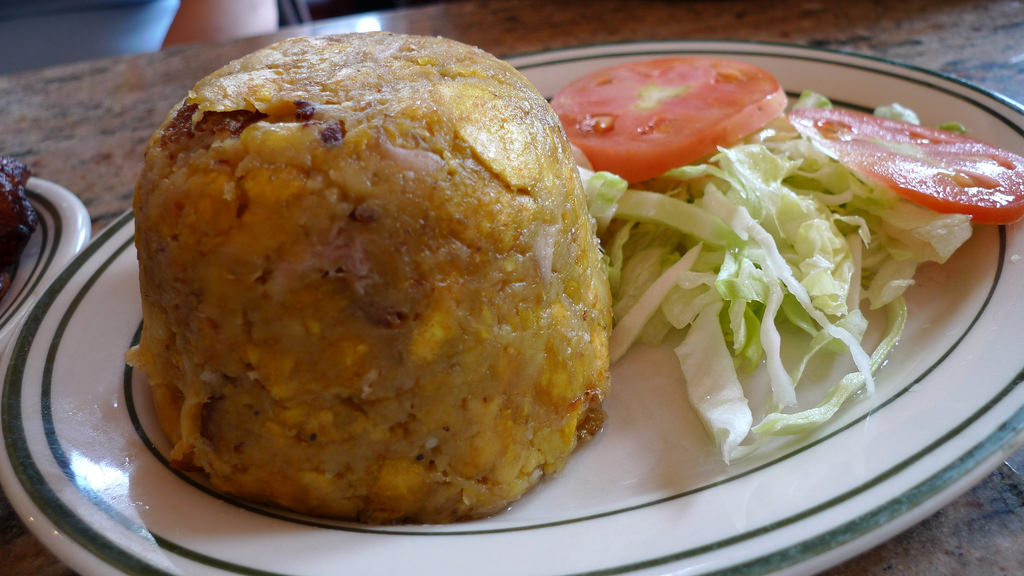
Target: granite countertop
{"type": "Point", "coordinates": [85, 125]}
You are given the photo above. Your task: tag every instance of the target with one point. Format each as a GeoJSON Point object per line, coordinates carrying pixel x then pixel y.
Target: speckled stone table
{"type": "Point", "coordinates": [85, 125]}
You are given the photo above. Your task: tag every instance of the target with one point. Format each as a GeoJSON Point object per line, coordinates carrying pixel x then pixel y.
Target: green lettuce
{"type": "Point", "coordinates": [720, 256]}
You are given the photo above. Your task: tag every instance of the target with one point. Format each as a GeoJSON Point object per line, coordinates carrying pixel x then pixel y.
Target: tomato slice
{"type": "Point", "coordinates": [641, 119]}
{"type": "Point", "coordinates": [944, 171]}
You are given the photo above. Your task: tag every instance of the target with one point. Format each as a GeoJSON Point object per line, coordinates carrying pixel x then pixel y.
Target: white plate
{"type": "Point", "coordinates": [64, 228]}
{"type": "Point", "coordinates": [85, 463]}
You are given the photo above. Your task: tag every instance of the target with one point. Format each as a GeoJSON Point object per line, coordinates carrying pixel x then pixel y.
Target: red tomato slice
{"type": "Point", "coordinates": [941, 170]}
{"type": "Point", "coordinates": [641, 119]}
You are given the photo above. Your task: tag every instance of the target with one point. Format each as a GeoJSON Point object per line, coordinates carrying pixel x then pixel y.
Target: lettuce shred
{"type": "Point", "coordinates": [719, 256]}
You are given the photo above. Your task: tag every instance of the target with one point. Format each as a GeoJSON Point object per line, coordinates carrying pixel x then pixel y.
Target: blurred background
{"type": "Point", "coordinates": [36, 33]}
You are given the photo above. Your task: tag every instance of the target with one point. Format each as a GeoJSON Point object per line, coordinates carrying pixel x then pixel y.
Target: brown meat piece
{"type": "Point", "coordinates": [18, 219]}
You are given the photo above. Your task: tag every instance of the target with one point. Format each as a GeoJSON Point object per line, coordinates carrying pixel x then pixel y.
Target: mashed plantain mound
{"type": "Point", "coordinates": [370, 286]}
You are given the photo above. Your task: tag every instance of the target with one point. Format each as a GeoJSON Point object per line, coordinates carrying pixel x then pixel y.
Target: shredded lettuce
{"type": "Point", "coordinates": [897, 111]}
{"type": "Point", "coordinates": [812, 99]}
{"type": "Point", "coordinates": [714, 389]}
{"type": "Point", "coordinates": [719, 256]}
{"type": "Point", "coordinates": [632, 322]}
{"type": "Point", "coordinates": [953, 126]}
{"type": "Point", "coordinates": [603, 191]}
